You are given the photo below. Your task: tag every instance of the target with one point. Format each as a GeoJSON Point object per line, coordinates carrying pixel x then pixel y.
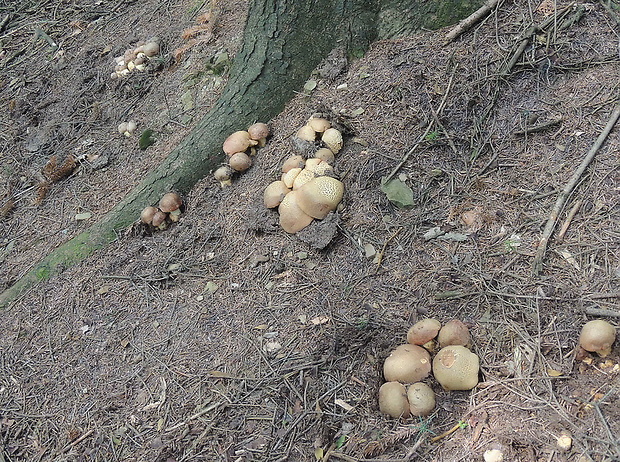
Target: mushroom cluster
{"type": "Point", "coordinates": [454, 366]}
{"type": "Point", "coordinates": [308, 189]}
{"type": "Point", "coordinates": [240, 147]}
{"type": "Point", "coordinates": [127, 128]}
{"type": "Point", "coordinates": [167, 211]}
{"type": "Point", "coordinates": [135, 58]}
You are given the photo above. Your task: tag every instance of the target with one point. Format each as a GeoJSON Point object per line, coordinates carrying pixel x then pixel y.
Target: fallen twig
{"type": "Point", "coordinates": [539, 128]}
{"type": "Point", "coordinates": [559, 204]}
{"type": "Point", "coordinates": [602, 312]}
{"type": "Point", "coordinates": [568, 221]}
{"type": "Point", "coordinates": [470, 20]}
{"type": "Point", "coordinates": [460, 424]}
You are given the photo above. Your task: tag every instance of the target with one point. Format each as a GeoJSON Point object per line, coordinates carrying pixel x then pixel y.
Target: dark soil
{"type": "Point", "coordinates": [225, 339]}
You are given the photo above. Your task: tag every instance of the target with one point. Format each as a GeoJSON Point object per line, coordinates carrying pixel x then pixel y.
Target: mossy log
{"type": "Point", "coordinates": [284, 40]}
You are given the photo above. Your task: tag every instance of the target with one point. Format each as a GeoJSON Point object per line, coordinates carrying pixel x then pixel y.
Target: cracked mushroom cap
{"type": "Point", "coordinates": [393, 400]}
{"type": "Point", "coordinates": [597, 337]}
{"type": "Point", "coordinates": [320, 196]}
{"type": "Point", "coordinates": [456, 368]}
{"type": "Point", "coordinates": [408, 364]}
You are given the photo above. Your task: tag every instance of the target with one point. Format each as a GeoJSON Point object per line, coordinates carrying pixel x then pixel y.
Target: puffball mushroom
{"type": "Point", "coordinates": [293, 162]}
{"type": "Point", "coordinates": [407, 364]}
{"type": "Point", "coordinates": [306, 133]}
{"type": "Point", "coordinates": [274, 193]}
{"type": "Point", "coordinates": [239, 141]}
{"type": "Point", "coordinates": [421, 399]}
{"type": "Point", "coordinates": [289, 177]}
{"type": "Point", "coordinates": [131, 128]}
{"type": "Point", "coordinates": [169, 202]}
{"type": "Point", "coordinates": [423, 331]}
{"type": "Point", "coordinates": [224, 175]}
{"type": "Point", "coordinates": [456, 368]}
{"type": "Point", "coordinates": [258, 131]}
{"type": "Point", "coordinates": [147, 215]}
{"type": "Point", "coordinates": [240, 161]}
{"type": "Point", "coordinates": [393, 400]}
{"type": "Point", "coordinates": [597, 337]}
{"type": "Point", "coordinates": [320, 196]}
{"type": "Point", "coordinates": [319, 124]}
{"type": "Point", "coordinates": [304, 176]}
{"type": "Point", "coordinates": [332, 139]}
{"type": "Point", "coordinates": [292, 218]}
{"type": "Point", "coordinates": [454, 332]}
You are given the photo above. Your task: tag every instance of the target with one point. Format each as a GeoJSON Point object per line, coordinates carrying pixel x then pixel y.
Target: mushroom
{"type": "Point", "coordinates": [293, 162]}
{"type": "Point", "coordinates": [319, 124]}
{"type": "Point", "coordinates": [147, 215]}
{"type": "Point", "coordinates": [304, 176]}
{"type": "Point", "coordinates": [122, 128]}
{"type": "Point", "coordinates": [456, 368]}
{"type": "Point", "coordinates": [258, 131]}
{"type": "Point", "coordinates": [274, 193]}
{"type": "Point", "coordinates": [292, 218]}
{"type": "Point", "coordinates": [169, 202]}
{"type": "Point", "coordinates": [131, 128]}
{"type": "Point", "coordinates": [239, 141]}
{"type": "Point", "coordinates": [159, 219]}
{"type": "Point", "coordinates": [306, 133]}
{"type": "Point", "coordinates": [224, 175]}
{"type": "Point", "coordinates": [393, 400]}
{"type": "Point", "coordinates": [597, 337]}
{"type": "Point", "coordinates": [407, 363]}
{"type": "Point", "coordinates": [423, 331]}
{"type": "Point", "coordinates": [151, 48]}
{"type": "Point", "coordinates": [240, 161]}
{"type": "Point", "coordinates": [454, 332]}
{"type": "Point", "coordinates": [326, 155]}
{"type": "Point", "coordinates": [289, 177]}
{"type": "Point", "coordinates": [332, 139]}
{"type": "Point", "coordinates": [320, 196]}
{"type": "Point", "coordinates": [421, 399]}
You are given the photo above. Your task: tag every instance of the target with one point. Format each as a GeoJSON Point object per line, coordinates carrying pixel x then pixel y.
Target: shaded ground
{"type": "Point", "coordinates": [161, 347]}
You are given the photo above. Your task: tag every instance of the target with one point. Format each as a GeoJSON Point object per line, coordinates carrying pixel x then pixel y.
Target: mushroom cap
{"type": "Point", "coordinates": [240, 161]}
{"type": "Point", "coordinates": [151, 48]}
{"type": "Point", "coordinates": [274, 193]}
{"type": "Point", "coordinates": [393, 400]}
{"type": "Point", "coordinates": [169, 202]}
{"type": "Point", "coordinates": [319, 124]}
{"type": "Point", "coordinates": [122, 127]}
{"type": "Point", "coordinates": [423, 331]}
{"type": "Point", "coordinates": [456, 368]}
{"type": "Point", "coordinates": [293, 162]}
{"type": "Point", "coordinates": [304, 176]}
{"type": "Point", "coordinates": [159, 218]}
{"type": "Point", "coordinates": [292, 218]}
{"type": "Point", "coordinates": [597, 336]}
{"type": "Point", "coordinates": [147, 215]}
{"type": "Point", "coordinates": [454, 332]}
{"type": "Point", "coordinates": [320, 196]}
{"type": "Point", "coordinates": [289, 177]}
{"type": "Point", "coordinates": [258, 131]}
{"type": "Point", "coordinates": [407, 363]}
{"type": "Point", "coordinates": [326, 155]}
{"type": "Point", "coordinates": [223, 173]}
{"type": "Point", "coordinates": [421, 399]}
{"type": "Point", "coordinates": [332, 139]}
{"type": "Point", "coordinates": [239, 141]}
{"type": "Point", "coordinates": [306, 133]}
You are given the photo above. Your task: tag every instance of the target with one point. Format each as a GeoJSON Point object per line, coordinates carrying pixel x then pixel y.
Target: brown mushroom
{"type": "Point", "coordinates": [274, 194]}
{"type": "Point", "coordinates": [456, 368]}
{"type": "Point", "coordinates": [421, 399]}
{"type": "Point", "coordinates": [597, 337]}
{"type": "Point", "coordinates": [326, 155]}
{"type": "Point", "coordinates": [147, 215]}
{"type": "Point", "coordinates": [292, 218]}
{"type": "Point", "coordinates": [169, 202]}
{"type": "Point", "coordinates": [306, 133]}
{"type": "Point", "coordinates": [239, 141]}
{"type": "Point", "coordinates": [159, 219]}
{"type": "Point", "coordinates": [240, 161]}
{"type": "Point", "coordinates": [407, 363]}
{"type": "Point", "coordinates": [320, 196]}
{"type": "Point", "coordinates": [454, 332]}
{"type": "Point", "coordinates": [258, 131]}
{"type": "Point", "coordinates": [423, 331]}
{"type": "Point", "coordinates": [293, 162]}
{"type": "Point", "coordinates": [393, 400]}
{"type": "Point", "coordinates": [319, 124]}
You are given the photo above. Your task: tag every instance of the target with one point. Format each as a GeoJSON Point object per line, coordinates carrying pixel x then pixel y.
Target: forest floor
{"type": "Point", "coordinates": [223, 338]}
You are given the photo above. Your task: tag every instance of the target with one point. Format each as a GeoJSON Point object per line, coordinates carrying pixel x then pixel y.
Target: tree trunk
{"type": "Point", "coordinates": [284, 40]}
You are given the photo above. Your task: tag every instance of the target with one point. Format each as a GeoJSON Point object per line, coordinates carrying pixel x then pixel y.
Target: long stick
{"type": "Point", "coordinates": [470, 20]}
{"type": "Point", "coordinates": [559, 204]}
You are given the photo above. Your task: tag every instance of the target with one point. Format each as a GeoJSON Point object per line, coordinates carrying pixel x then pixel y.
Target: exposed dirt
{"type": "Point", "coordinates": [225, 339]}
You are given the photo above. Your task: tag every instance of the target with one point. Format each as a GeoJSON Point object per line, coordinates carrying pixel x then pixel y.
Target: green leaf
{"type": "Point", "coordinates": [340, 441]}
{"type": "Point", "coordinates": [398, 193]}
{"type": "Point", "coordinates": [146, 139]}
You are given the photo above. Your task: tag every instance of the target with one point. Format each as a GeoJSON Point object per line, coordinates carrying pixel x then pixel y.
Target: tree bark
{"type": "Point", "coordinates": [284, 40]}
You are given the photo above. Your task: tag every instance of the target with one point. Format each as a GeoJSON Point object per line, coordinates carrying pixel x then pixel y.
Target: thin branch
{"type": "Point", "coordinates": [559, 204]}
{"type": "Point", "coordinates": [470, 20]}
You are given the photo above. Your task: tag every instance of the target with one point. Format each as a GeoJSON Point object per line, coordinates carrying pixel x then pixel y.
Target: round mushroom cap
{"type": "Point", "coordinates": [421, 399]}
{"type": "Point", "coordinates": [223, 173]}
{"type": "Point", "coordinates": [304, 176]}
{"type": "Point", "coordinates": [159, 218]}
{"type": "Point", "coordinates": [169, 202]}
{"type": "Point", "coordinates": [456, 368]}
{"type": "Point", "coordinates": [454, 332]}
{"type": "Point", "coordinates": [274, 193]}
{"type": "Point", "coordinates": [393, 400]}
{"type": "Point", "coordinates": [319, 124]}
{"type": "Point", "coordinates": [258, 131]}
{"type": "Point", "coordinates": [239, 141]}
{"type": "Point", "coordinates": [332, 139]}
{"type": "Point", "coordinates": [151, 48]}
{"type": "Point", "coordinates": [320, 196]}
{"type": "Point", "coordinates": [423, 331]}
{"type": "Point", "coordinates": [325, 155]}
{"type": "Point", "coordinates": [293, 162]}
{"type": "Point", "coordinates": [292, 218]}
{"type": "Point", "coordinates": [408, 364]}
{"type": "Point", "coordinates": [289, 177]}
{"type": "Point", "coordinates": [597, 336]}
{"type": "Point", "coordinates": [240, 161]}
{"type": "Point", "coordinates": [306, 133]}
{"type": "Point", "coordinates": [147, 215]}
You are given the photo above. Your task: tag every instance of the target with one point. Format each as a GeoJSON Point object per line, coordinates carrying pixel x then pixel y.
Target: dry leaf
{"type": "Point", "coordinates": [343, 404]}
{"type": "Point", "coordinates": [319, 320]}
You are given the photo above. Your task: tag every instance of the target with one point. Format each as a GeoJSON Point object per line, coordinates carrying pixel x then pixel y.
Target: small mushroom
{"type": "Point", "coordinates": [289, 177]}
{"type": "Point", "coordinates": [320, 196]}
{"type": "Point", "coordinates": [306, 133]}
{"type": "Point", "coordinates": [159, 219]}
{"type": "Point", "coordinates": [151, 48]}
{"type": "Point", "coordinates": [292, 218]}
{"type": "Point", "coordinates": [597, 337]}
{"type": "Point", "coordinates": [274, 194]}
{"type": "Point", "coordinates": [332, 139]}
{"type": "Point", "coordinates": [407, 363]}
{"type": "Point", "coordinates": [421, 399]}
{"type": "Point", "coordinates": [122, 128]}
{"type": "Point", "coordinates": [258, 131]}
{"type": "Point", "coordinates": [224, 175]}
{"type": "Point", "coordinates": [293, 162]}
{"type": "Point", "coordinates": [456, 368]}
{"type": "Point", "coordinates": [240, 161]}
{"type": "Point", "coordinates": [169, 202]}
{"type": "Point", "coordinates": [393, 400]}
{"type": "Point", "coordinates": [319, 124]}
{"type": "Point", "coordinates": [239, 141]}
{"type": "Point", "coordinates": [423, 331]}
{"type": "Point", "coordinates": [325, 155]}
{"type": "Point", "coordinates": [454, 332]}
{"type": "Point", "coordinates": [132, 126]}
{"type": "Point", "coordinates": [147, 215]}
